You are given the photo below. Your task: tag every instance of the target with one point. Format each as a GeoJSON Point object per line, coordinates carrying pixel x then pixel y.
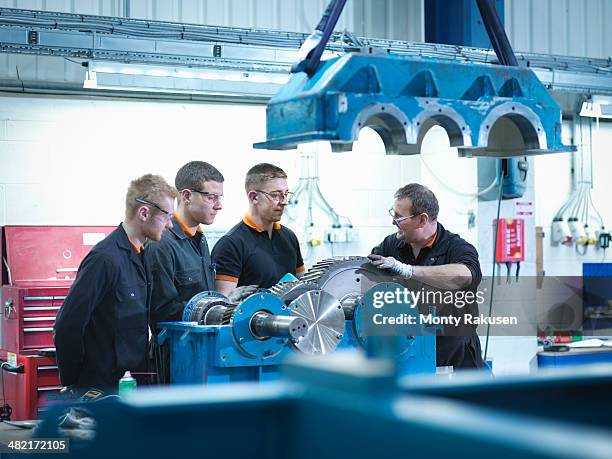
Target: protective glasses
{"type": "Point", "coordinates": [210, 197]}
{"type": "Point", "coordinates": [277, 196]}
{"type": "Point", "coordinates": [397, 219]}
{"type": "Point", "coordinates": [166, 214]}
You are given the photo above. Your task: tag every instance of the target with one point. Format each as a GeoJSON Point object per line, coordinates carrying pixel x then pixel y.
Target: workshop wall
{"type": "Point", "coordinates": [553, 188]}
{"type": "Point", "coordinates": [398, 19]}
{"type": "Point", "coordinates": [567, 27]}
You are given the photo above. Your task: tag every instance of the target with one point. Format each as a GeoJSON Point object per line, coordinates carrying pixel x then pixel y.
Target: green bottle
{"type": "Point", "coordinates": [126, 384]}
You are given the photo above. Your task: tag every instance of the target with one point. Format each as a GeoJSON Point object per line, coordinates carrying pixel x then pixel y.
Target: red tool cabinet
{"type": "Point", "coordinates": [39, 265]}
{"type": "Point", "coordinates": [29, 392]}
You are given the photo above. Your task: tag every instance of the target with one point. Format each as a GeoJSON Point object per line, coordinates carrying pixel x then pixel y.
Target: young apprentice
{"type": "Point", "coordinates": [102, 329]}
{"type": "Point", "coordinates": [259, 250]}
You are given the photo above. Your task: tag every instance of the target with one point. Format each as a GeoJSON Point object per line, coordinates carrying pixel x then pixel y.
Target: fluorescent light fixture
{"type": "Point", "coordinates": [185, 80]}
{"type": "Point", "coordinates": [597, 107]}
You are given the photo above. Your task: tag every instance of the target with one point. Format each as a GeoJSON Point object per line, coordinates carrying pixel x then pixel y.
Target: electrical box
{"type": "Point", "coordinates": [514, 177]}
{"type": "Point", "coordinates": [510, 240]}
{"type": "Point", "coordinates": [514, 173]}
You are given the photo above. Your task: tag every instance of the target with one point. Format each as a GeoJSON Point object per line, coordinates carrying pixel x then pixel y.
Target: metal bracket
{"type": "Point", "coordinates": [8, 308]}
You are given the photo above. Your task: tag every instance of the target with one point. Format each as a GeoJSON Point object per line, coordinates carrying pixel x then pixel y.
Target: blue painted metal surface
{"type": "Point", "coordinates": [416, 352]}
{"type": "Point", "coordinates": [209, 354]}
{"type": "Point", "coordinates": [578, 395]}
{"type": "Point", "coordinates": [350, 408]}
{"type": "Point", "coordinates": [457, 22]}
{"type": "Point", "coordinates": [417, 356]}
{"type": "Point", "coordinates": [402, 97]}
{"type": "Point", "coordinates": [213, 354]}
{"type": "Point", "coordinates": [514, 175]}
{"type": "Point", "coordinates": [574, 357]}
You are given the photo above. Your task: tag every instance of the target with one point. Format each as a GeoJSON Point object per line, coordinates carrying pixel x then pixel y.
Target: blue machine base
{"type": "Point", "coordinates": [419, 356]}
{"type": "Point", "coordinates": [574, 357]}
{"type": "Point", "coordinates": [208, 354]}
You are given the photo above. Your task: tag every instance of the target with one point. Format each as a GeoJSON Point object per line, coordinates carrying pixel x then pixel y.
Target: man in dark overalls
{"type": "Point", "coordinates": [102, 329]}
{"type": "Point", "coordinates": [180, 262]}
{"type": "Point", "coordinates": [425, 253]}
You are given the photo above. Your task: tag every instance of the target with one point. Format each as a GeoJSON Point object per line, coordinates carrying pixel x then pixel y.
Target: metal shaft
{"type": "Point", "coordinates": [264, 325]}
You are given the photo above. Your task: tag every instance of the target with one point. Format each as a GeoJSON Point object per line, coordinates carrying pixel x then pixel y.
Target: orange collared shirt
{"type": "Point", "coordinates": [136, 248]}
{"type": "Point", "coordinates": [185, 228]}
{"type": "Point", "coordinates": [430, 244]}
{"type": "Point", "coordinates": [248, 221]}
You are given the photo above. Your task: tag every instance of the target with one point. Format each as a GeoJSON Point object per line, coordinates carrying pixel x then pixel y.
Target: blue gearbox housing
{"type": "Point", "coordinates": [229, 349]}
{"type": "Point", "coordinates": [487, 110]}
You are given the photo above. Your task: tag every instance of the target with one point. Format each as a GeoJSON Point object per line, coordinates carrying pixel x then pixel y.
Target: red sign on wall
{"type": "Point", "coordinates": [510, 240]}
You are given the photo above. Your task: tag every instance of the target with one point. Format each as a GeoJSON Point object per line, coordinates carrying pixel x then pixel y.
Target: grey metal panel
{"type": "Point", "coordinates": [191, 11]}
{"type": "Point", "coordinates": [575, 82]}
{"type": "Point", "coordinates": [539, 27]}
{"type": "Point", "coordinates": [132, 44]}
{"type": "Point", "coordinates": [216, 13]}
{"type": "Point", "coordinates": [577, 26]}
{"type": "Point", "coordinates": [185, 84]}
{"type": "Point", "coordinates": [595, 31]}
{"type": "Point", "coordinates": [109, 7]}
{"type": "Point", "coordinates": [48, 68]}
{"type": "Point", "coordinates": [62, 39]}
{"type": "Point", "coordinates": [395, 19]}
{"type": "Point", "coordinates": [392, 19]}
{"type": "Point", "coordinates": [13, 36]}
{"type": "Point", "coordinates": [559, 35]}
{"type": "Point", "coordinates": [141, 9]}
{"type": "Point", "coordinates": [568, 27]}
{"type": "Point", "coordinates": [165, 10]}
{"type": "Point", "coordinates": [28, 4]}
{"type": "Point", "coordinates": [25, 67]}
{"type": "Point", "coordinates": [606, 20]}
{"type": "Point", "coordinates": [240, 13]}
{"type": "Point", "coordinates": [239, 52]}
{"type": "Point", "coordinates": [63, 6]}
{"type": "Point", "coordinates": [191, 49]}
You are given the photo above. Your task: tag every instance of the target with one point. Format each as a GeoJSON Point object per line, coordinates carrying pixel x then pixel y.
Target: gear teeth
{"type": "Point", "coordinates": [322, 267]}
{"type": "Point", "coordinates": [228, 315]}
{"type": "Point", "coordinates": [200, 309]}
{"type": "Point", "coordinates": [289, 291]}
{"type": "Point", "coordinates": [283, 288]}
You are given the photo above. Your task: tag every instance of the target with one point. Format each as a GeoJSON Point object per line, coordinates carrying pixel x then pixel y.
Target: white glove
{"type": "Point", "coordinates": [391, 264]}
{"type": "Point", "coordinates": [241, 293]}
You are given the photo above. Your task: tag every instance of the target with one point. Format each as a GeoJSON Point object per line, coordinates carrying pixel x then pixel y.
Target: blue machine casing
{"type": "Point", "coordinates": [225, 353]}
{"type": "Point", "coordinates": [345, 408]}
{"type": "Point", "coordinates": [418, 356]}
{"type": "Point", "coordinates": [402, 97]}
{"type": "Point", "coordinates": [209, 354]}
